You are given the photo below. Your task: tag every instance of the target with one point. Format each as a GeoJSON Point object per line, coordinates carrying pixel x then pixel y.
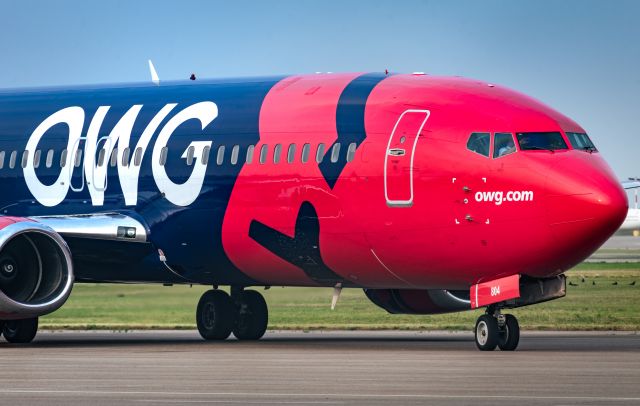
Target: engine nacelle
{"type": "Point", "coordinates": [36, 271]}
{"type": "Point", "coordinates": [413, 301]}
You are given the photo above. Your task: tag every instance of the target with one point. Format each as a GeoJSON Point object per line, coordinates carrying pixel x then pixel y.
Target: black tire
{"type": "Point", "coordinates": [510, 334]}
{"type": "Point", "coordinates": [1, 326]}
{"type": "Point", "coordinates": [253, 316]}
{"type": "Point", "coordinates": [215, 315]}
{"type": "Point", "coordinates": [20, 331]}
{"type": "Point", "coordinates": [487, 333]}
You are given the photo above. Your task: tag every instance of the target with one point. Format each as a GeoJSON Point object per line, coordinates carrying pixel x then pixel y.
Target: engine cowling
{"type": "Point", "coordinates": [36, 271]}
{"type": "Point", "coordinates": [414, 301]}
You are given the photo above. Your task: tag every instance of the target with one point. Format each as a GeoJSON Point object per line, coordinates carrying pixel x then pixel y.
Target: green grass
{"type": "Point", "coordinates": [602, 306]}
{"type": "Point", "coordinates": [605, 266]}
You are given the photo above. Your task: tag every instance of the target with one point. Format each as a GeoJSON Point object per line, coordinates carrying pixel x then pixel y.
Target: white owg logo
{"type": "Point", "coordinates": [179, 194]}
{"type": "Point", "coordinates": [499, 197]}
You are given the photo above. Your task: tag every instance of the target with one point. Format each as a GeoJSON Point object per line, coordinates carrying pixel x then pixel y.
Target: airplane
{"type": "Point", "coordinates": [433, 194]}
{"type": "Point", "coordinates": [632, 221]}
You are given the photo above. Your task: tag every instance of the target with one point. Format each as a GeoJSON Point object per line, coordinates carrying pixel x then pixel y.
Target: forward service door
{"type": "Point", "coordinates": [398, 162]}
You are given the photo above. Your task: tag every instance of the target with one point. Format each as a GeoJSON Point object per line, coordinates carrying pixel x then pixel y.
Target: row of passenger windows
{"type": "Point", "coordinates": [265, 154]}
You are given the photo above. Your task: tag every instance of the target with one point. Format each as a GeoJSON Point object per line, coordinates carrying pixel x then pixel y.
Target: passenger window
{"type": "Point", "coordinates": [190, 152]}
{"type": "Point", "coordinates": [36, 158]}
{"type": "Point", "coordinates": [163, 156]}
{"type": "Point", "coordinates": [335, 152]}
{"type": "Point", "coordinates": [12, 159]}
{"type": "Point", "coordinates": [25, 158]}
{"type": "Point", "coordinates": [320, 153]}
{"type": "Point", "coordinates": [250, 150]}
{"type": "Point", "coordinates": [63, 158]}
{"type": "Point", "coordinates": [125, 156]}
{"type": "Point", "coordinates": [1, 159]}
{"type": "Point", "coordinates": [101, 155]}
{"type": "Point", "coordinates": [291, 153]}
{"type": "Point", "coordinates": [137, 158]}
{"type": "Point", "coordinates": [351, 151]}
{"type": "Point", "coordinates": [49, 161]}
{"type": "Point", "coordinates": [114, 157]}
{"type": "Point", "coordinates": [220, 157]}
{"type": "Point", "coordinates": [264, 150]}
{"type": "Point", "coordinates": [306, 149]}
{"type": "Point", "coordinates": [78, 158]}
{"type": "Point", "coordinates": [206, 151]}
{"type": "Point", "coordinates": [277, 151]}
{"type": "Point", "coordinates": [235, 152]}
{"type": "Point", "coordinates": [503, 144]}
{"type": "Point", "coordinates": [479, 143]}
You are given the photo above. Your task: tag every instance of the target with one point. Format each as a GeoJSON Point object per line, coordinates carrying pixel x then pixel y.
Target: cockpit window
{"type": "Point", "coordinates": [479, 143]}
{"type": "Point", "coordinates": [581, 141]}
{"type": "Point", "coordinates": [503, 145]}
{"type": "Point", "coordinates": [550, 141]}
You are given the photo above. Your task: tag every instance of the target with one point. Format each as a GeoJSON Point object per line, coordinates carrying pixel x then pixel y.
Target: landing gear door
{"type": "Point", "coordinates": [398, 161]}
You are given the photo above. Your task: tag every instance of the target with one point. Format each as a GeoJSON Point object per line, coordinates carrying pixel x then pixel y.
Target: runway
{"type": "Point", "coordinates": [619, 248]}
{"type": "Point", "coordinates": [332, 368]}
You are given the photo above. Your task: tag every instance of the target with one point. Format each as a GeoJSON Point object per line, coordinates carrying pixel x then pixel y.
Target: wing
{"type": "Point", "coordinates": [631, 184]}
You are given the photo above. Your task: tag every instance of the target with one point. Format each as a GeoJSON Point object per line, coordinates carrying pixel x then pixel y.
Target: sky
{"type": "Point", "coordinates": [580, 57]}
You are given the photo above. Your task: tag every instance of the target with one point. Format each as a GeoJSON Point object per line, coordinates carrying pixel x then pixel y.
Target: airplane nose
{"type": "Point", "coordinates": [585, 206]}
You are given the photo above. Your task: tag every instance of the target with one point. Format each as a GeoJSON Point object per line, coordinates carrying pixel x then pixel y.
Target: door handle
{"type": "Point", "coordinates": [397, 152]}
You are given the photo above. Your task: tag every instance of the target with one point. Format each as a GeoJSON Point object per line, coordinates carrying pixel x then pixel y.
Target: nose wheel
{"type": "Point", "coordinates": [509, 334]}
{"type": "Point", "coordinates": [497, 330]}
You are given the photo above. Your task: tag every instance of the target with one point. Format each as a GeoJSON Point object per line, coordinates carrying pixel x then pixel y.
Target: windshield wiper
{"type": "Point", "coordinates": [537, 148]}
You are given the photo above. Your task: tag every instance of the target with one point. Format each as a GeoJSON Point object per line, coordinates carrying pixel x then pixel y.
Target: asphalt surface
{"type": "Point", "coordinates": [623, 242]}
{"type": "Point", "coordinates": [619, 248]}
{"type": "Point", "coordinates": [333, 368]}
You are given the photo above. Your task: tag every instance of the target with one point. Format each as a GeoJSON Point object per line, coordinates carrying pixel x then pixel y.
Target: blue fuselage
{"type": "Point", "coordinates": [189, 237]}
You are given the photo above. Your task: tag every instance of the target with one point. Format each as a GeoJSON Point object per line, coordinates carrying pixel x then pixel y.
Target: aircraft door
{"type": "Point", "coordinates": [101, 163]}
{"type": "Point", "coordinates": [398, 161]}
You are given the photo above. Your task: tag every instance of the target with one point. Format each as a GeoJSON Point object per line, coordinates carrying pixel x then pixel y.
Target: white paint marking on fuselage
{"type": "Point", "coordinates": [186, 193]}
{"type": "Point", "coordinates": [53, 194]}
{"type": "Point", "coordinates": [119, 137]}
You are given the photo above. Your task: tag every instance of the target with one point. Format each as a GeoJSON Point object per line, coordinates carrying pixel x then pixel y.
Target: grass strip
{"type": "Point", "coordinates": [599, 297]}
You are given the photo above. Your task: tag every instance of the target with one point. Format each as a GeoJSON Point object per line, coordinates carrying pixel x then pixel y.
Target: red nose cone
{"type": "Point", "coordinates": [585, 209]}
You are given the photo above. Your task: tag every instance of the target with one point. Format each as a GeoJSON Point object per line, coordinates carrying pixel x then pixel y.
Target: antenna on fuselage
{"type": "Point", "coordinates": [336, 295]}
{"type": "Point", "coordinates": [154, 75]}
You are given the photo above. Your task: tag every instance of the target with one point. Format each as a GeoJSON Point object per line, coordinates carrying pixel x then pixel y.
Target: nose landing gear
{"type": "Point", "coordinates": [244, 313]}
{"type": "Point", "coordinates": [510, 334]}
{"type": "Point", "coordinates": [494, 329]}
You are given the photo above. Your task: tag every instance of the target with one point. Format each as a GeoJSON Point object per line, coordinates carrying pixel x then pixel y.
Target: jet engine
{"type": "Point", "coordinates": [36, 271]}
{"type": "Point", "coordinates": [413, 301]}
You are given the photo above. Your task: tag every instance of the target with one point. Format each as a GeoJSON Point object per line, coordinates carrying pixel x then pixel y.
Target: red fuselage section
{"type": "Point", "coordinates": [415, 207]}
